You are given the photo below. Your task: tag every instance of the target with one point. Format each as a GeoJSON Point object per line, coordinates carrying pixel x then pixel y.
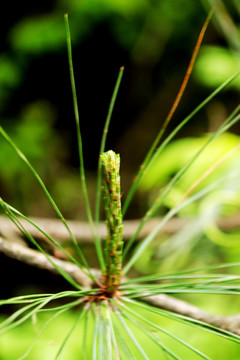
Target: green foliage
{"type": "Point", "coordinates": [223, 201]}
{"type": "Point", "coordinates": [167, 164]}
{"type": "Point", "coordinates": [215, 64]}
{"type": "Point", "coordinates": [35, 35]}
{"type": "Point", "coordinates": [35, 136]}
{"type": "Point", "coordinates": [9, 73]}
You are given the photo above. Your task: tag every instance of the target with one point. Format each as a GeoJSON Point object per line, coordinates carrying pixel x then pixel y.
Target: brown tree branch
{"type": "Point", "coordinates": [82, 231]}
{"type": "Point", "coordinates": [35, 258]}
{"type": "Point", "coordinates": [229, 323]}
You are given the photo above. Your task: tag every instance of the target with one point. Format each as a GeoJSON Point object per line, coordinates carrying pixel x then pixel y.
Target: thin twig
{"type": "Point", "coordinates": [229, 323]}
{"type": "Point", "coordinates": [82, 231]}
{"type": "Point", "coordinates": [35, 258]}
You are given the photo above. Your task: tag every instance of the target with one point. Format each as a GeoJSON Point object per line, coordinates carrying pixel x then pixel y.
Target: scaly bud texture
{"type": "Point", "coordinates": [113, 244]}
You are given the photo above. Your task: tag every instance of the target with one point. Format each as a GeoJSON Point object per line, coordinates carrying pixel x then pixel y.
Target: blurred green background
{"type": "Point", "coordinates": [154, 40]}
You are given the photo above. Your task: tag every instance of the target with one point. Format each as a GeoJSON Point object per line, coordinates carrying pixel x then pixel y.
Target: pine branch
{"type": "Point", "coordinates": [229, 323]}
{"type": "Point", "coordinates": [35, 258]}
{"type": "Point", "coordinates": [82, 231]}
